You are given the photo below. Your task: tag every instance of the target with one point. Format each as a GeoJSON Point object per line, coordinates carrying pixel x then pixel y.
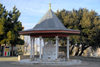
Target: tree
{"type": "Point", "coordinates": [88, 22]}
{"type": "Point", "coordinates": [14, 26]}
{"type": "Point", "coordinates": [3, 16]}
{"type": "Point", "coordinates": [9, 27]}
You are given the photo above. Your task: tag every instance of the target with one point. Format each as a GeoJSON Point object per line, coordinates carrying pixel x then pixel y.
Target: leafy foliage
{"type": "Point", "coordinates": [10, 26]}
{"type": "Point", "coordinates": [88, 22]}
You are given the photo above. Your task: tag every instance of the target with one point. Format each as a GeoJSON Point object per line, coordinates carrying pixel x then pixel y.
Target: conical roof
{"type": "Point", "coordinates": [50, 22]}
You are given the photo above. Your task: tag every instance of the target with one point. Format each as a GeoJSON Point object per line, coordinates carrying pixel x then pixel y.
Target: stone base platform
{"type": "Point", "coordinates": [69, 62]}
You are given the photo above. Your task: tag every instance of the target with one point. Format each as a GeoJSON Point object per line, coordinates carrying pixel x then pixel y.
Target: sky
{"type": "Point", "coordinates": [33, 10]}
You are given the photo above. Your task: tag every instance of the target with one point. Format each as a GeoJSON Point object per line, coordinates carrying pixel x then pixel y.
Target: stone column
{"type": "Point", "coordinates": [67, 48]}
{"type": "Point", "coordinates": [35, 49]}
{"type": "Point", "coordinates": [57, 47]}
{"type": "Point", "coordinates": [33, 41]}
{"type": "Point", "coordinates": [43, 46]}
{"type": "Point", "coordinates": [31, 48]}
{"type": "Point", "coordinates": [40, 47]}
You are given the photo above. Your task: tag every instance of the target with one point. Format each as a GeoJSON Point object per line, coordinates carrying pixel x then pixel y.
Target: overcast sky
{"type": "Point", "coordinates": [33, 10]}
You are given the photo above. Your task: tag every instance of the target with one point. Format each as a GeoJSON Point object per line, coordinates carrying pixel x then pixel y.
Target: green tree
{"type": "Point", "coordinates": [14, 26]}
{"type": "Point", "coordinates": [9, 27]}
{"type": "Point", "coordinates": [3, 17]}
{"type": "Point", "coordinates": [88, 22]}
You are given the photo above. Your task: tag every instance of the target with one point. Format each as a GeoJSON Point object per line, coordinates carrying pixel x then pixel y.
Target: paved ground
{"type": "Point", "coordinates": [16, 64]}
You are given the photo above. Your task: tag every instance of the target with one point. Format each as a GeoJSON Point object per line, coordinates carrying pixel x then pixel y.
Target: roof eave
{"type": "Point", "coordinates": [70, 32]}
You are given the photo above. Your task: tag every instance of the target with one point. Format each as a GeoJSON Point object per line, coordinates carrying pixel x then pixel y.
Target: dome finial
{"type": "Point", "coordinates": [49, 6]}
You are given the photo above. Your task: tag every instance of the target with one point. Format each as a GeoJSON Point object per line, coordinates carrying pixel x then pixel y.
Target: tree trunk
{"type": "Point", "coordinates": [81, 53]}
{"type": "Point", "coordinates": [76, 54]}
{"type": "Point", "coordinates": [71, 49]}
{"type": "Point", "coordinates": [0, 49]}
{"type": "Point", "coordinates": [82, 50]}
{"type": "Point", "coordinates": [11, 50]}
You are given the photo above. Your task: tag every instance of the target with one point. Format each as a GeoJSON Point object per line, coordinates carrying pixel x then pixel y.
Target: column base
{"type": "Point", "coordinates": [31, 59]}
